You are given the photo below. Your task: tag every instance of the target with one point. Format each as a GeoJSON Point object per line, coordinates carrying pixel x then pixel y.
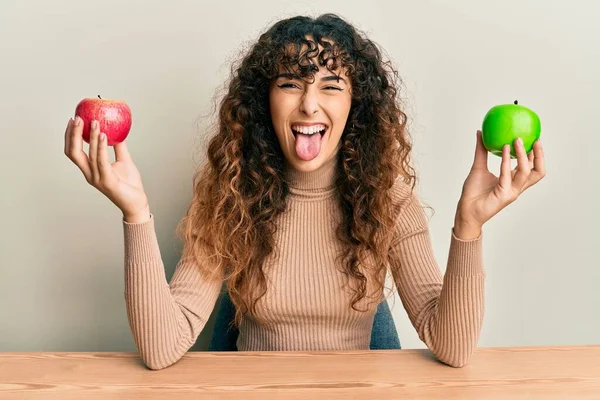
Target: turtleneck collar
{"type": "Point", "coordinates": [312, 184]}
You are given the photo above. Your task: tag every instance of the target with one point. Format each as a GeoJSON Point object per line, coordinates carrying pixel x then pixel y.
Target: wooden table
{"type": "Point", "coordinates": [565, 373]}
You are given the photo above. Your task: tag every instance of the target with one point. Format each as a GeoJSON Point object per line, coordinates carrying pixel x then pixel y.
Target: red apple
{"type": "Point", "coordinates": [114, 117]}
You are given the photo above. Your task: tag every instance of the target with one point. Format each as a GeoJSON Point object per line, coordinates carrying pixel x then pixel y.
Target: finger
{"type": "Point", "coordinates": [76, 153]}
{"type": "Point", "coordinates": [68, 135]}
{"type": "Point", "coordinates": [505, 178]}
{"type": "Point", "coordinates": [103, 161]}
{"type": "Point", "coordinates": [94, 133]}
{"type": "Point", "coordinates": [530, 158]}
{"type": "Point", "coordinates": [481, 154]}
{"type": "Point", "coordinates": [121, 152]}
{"type": "Point", "coordinates": [539, 165]}
{"type": "Point", "coordinates": [523, 169]}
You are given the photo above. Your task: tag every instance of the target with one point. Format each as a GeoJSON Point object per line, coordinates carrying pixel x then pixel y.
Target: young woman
{"type": "Point", "coordinates": [306, 201]}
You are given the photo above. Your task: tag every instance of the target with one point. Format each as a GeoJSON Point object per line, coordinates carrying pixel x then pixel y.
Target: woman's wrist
{"type": "Point", "coordinates": [465, 229]}
{"type": "Point", "coordinates": [138, 217]}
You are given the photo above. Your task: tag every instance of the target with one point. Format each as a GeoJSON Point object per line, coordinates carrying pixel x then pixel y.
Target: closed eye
{"type": "Point", "coordinates": [287, 85]}
{"type": "Point", "coordinates": [293, 85]}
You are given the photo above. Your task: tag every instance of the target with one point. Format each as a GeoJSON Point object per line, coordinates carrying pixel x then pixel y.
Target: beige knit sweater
{"type": "Point", "coordinates": [306, 306]}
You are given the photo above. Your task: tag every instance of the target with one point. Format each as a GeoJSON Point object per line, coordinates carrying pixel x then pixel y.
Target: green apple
{"type": "Point", "coordinates": [504, 123]}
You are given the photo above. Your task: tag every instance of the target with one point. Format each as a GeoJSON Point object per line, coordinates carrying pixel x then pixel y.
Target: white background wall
{"type": "Point", "coordinates": [61, 254]}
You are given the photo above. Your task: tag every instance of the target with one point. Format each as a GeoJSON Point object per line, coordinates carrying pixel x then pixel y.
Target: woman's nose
{"type": "Point", "coordinates": [309, 104]}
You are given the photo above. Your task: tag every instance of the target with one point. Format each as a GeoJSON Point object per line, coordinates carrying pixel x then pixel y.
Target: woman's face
{"type": "Point", "coordinates": [309, 118]}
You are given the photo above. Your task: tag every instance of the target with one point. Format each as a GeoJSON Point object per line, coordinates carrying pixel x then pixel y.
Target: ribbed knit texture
{"type": "Point", "coordinates": [307, 305]}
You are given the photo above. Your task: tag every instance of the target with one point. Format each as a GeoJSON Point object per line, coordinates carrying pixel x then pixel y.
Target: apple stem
{"type": "Point", "coordinates": [101, 98]}
{"type": "Point", "coordinates": [516, 102]}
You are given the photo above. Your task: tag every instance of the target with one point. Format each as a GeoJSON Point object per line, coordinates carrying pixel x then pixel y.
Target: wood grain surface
{"type": "Point", "coordinates": [569, 372]}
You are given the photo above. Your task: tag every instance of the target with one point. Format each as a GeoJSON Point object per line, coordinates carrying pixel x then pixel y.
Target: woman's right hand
{"type": "Point", "coordinates": [120, 181]}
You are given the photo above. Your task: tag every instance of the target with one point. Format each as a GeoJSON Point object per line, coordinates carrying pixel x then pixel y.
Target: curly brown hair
{"type": "Point", "coordinates": [229, 227]}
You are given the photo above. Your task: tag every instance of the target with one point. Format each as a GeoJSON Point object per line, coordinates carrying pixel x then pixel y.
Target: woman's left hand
{"type": "Point", "coordinates": [484, 194]}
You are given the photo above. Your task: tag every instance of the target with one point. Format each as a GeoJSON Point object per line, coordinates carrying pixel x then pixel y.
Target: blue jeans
{"type": "Point", "coordinates": [383, 335]}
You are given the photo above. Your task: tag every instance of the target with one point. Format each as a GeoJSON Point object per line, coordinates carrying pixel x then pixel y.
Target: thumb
{"type": "Point", "coordinates": [480, 160]}
{"type": "Point", "coordinates": [121, 152]}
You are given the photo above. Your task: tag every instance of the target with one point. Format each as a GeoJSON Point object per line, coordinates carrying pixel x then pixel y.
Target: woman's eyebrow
{"type": "Point", "coordinates": [287, 75]}
{"type": "Point", "coordinates": [327, 78]}
{"type": "Point", "coordinates": [336, 78]}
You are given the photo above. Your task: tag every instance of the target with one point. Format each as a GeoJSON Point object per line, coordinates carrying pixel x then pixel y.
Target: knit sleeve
{"type": "Point", "coordinates": [446, 311]}
{"type": "Point", "coordinates": [165, 318]}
